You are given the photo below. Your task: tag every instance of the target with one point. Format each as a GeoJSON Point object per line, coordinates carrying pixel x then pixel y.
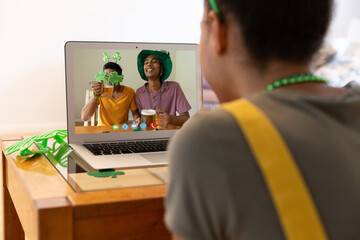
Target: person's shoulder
{"type": "Point", "coordinates": [129, 90]}
{"type": "Point", "coordinates": [172, 84]}
{"type": "Point", "coordinates": [203, 129]}
{"type": "Point", "coordinates": [353, 89]}
{"type": "Point", "coordinates": [210, 118]}
{"type": "Point", "coordinates": [208, 141]}
{"type": "Point", "coordinates": [141, 89]}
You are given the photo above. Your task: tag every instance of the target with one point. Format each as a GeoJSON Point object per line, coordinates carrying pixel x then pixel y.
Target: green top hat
{"type": "Point", "coordinates": [163, 56]}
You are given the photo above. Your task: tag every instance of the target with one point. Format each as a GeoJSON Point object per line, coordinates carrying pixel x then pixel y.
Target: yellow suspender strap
{"type": "Point", "coordinates": [293, 202]}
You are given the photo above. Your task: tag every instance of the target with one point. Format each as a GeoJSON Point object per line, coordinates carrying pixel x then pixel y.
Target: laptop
{"type": "Point", "coordinates": [119, 146]}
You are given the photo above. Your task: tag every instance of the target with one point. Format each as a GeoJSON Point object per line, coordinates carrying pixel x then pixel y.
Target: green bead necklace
{"type": "Point", "coordinates": [295, 79]}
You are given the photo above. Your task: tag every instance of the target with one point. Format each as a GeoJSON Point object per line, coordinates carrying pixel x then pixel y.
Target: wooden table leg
{"type": "Point", "coordinates": [11, 223]}
{"type": "Point", "coordinates": [55, 216]}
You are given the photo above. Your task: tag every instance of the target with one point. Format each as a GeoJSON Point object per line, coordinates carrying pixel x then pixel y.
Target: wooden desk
{"type": "Point", "coordinates": [39, 202]}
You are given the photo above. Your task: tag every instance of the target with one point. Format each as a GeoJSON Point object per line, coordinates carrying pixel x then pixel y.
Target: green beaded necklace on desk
{"type": "Point", "coordinates": [294, 80]}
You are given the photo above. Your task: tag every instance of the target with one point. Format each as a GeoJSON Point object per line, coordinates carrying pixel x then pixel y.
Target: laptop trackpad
{"type": "Point", "coordinates": [156, 157]}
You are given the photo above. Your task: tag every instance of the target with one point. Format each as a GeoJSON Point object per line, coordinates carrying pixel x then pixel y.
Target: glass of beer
{"type": "Point", "coordinates": [148, 116]}
{"type": "Point", "coordinates": [107, 90]}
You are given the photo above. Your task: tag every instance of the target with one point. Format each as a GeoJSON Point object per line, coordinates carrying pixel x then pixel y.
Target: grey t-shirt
{"type": "Point", "coordinates": [217, 191]}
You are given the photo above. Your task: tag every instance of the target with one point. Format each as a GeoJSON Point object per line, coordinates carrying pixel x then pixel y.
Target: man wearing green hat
{"type": "Point", "coordinates": [166, 98]}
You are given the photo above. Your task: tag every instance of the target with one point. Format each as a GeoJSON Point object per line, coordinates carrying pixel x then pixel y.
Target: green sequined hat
{"type": "Point", "coordinates": [163, 56]}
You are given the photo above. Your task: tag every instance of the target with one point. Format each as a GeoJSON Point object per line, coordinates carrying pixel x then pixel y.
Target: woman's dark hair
{"type": "Point", "coordinates": [287, 30]}
{"type": "Point", "coordinates": [111, 65]}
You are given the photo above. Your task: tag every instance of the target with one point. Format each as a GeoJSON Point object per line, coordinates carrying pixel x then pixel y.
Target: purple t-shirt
{"type": "Point", "coordinates": [172, 99]}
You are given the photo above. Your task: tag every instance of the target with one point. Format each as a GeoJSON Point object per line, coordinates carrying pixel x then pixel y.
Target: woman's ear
{"type": "Point", "coordinates": [218, 33]}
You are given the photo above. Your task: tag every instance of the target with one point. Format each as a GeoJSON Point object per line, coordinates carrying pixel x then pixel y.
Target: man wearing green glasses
{"type": "Point", "coordinates": [258, 52]}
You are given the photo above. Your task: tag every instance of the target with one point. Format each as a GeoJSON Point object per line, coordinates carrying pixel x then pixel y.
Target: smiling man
{"type": "Point", "coordinates": [166, 98]}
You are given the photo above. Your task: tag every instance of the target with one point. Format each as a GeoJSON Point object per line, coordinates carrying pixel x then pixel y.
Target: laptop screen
{"type": "Point", "coordinates": [125, 107]}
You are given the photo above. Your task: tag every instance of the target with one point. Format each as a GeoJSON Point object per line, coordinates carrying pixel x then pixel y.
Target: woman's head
{"type": "Point", "coordinates": [284, 30]}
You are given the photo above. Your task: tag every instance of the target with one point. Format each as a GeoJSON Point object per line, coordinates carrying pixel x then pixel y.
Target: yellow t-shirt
{"type": "Point", "coordinates": [116, 111]}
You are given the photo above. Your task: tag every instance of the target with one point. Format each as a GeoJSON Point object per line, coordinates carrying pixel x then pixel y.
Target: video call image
{"type": "Point", "coordinates": [119, 90]}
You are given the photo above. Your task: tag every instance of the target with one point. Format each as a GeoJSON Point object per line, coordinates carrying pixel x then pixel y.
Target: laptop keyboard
{"type": "Point", "coordinates": [126, 147]}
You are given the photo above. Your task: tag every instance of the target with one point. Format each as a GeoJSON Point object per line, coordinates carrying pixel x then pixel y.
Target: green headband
{"type": "Point", "coordinates": [107, 58]}
{"type": "Point", "coordinates": [215, 8]}
{"type": "Point", "coordinates": [114, 78]}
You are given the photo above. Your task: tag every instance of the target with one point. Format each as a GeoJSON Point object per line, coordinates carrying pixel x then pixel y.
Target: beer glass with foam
{"type": "Point", "coordinates": [107, 90]}
{"type": "Point", "coordinates": [148, 116]}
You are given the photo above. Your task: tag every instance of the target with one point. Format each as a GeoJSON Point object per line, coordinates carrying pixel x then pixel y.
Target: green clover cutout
{"type": "Point", "coordinates": [58, 153]}
{"type": "Point", "coordinates": [106, 57]}
{"type": "Point", "coordinates": [115, 78]}
{"type": "Point", "coordinates": [105, 174]}
{"type": "Point", "coordinates": [101, 77]}
{"type": "Point", "coordinates": [26, 143]}
{"type": "Point", "coordinates": [117, 57]}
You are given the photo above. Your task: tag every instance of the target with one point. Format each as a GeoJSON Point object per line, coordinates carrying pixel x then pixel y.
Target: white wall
{"type": "Point", "coordinates": [33, 34]}
{"type": "Point", "coordinates": [185, 75]}
{"type": "Point", "coordinates": [32, 89]}
{"type": "Point", "coordinates": [345, 11]}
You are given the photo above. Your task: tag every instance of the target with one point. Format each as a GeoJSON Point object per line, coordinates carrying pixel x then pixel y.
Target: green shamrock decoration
{"type": "Point", "coordinates": [117, 57]}
{"type": "Point", "coordinates": [59, 154]}
{"type": "Point", "coordinates": [114, 77]}
{"type": "Point", "coordinates": [106, 57]}
{"type": "Point", "coordinates": [104, 174]}
{"type": "Point", "coordinates": [101, 77]}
